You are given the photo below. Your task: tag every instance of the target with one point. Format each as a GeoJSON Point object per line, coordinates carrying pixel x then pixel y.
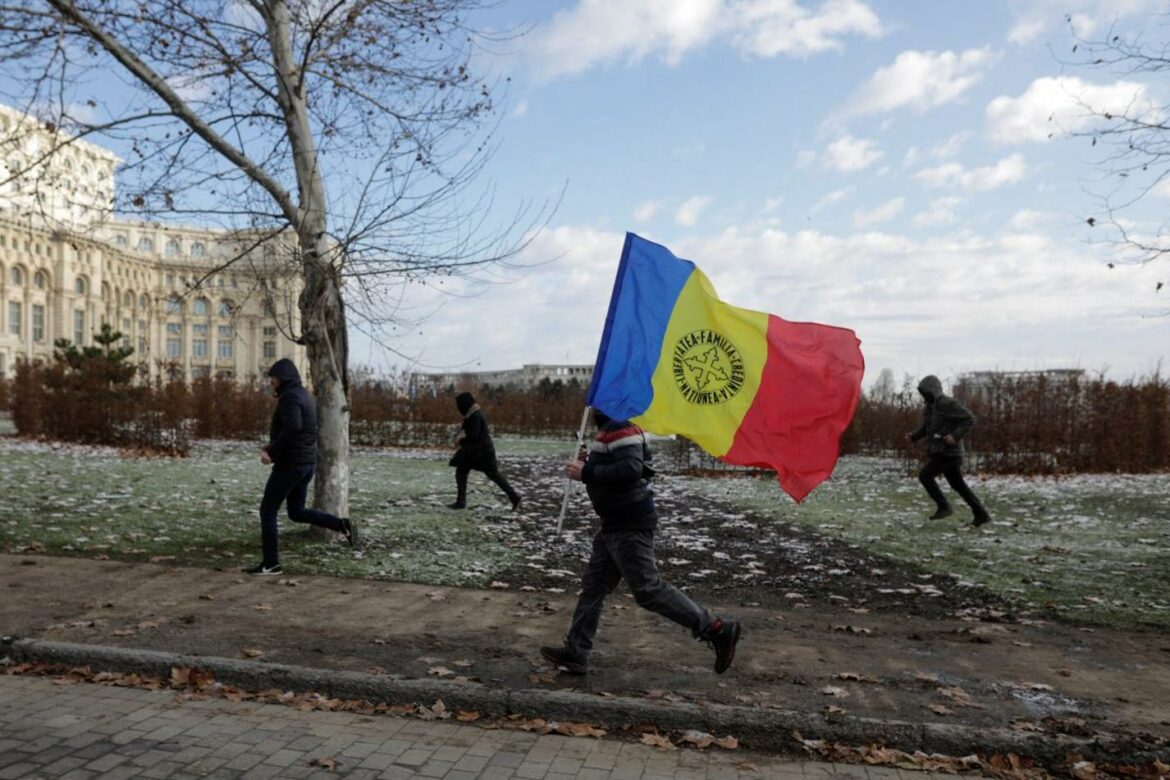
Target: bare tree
{"type": "Point", "coordinates": [340, 136]}
{"type": "Point", "coordinates": [1134, 139]}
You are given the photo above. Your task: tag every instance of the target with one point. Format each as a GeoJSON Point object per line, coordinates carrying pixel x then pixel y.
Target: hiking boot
{"type": "Point", "coordinates": [564, 658]}
{"type": "Point", "coordinates": [723, 635]}
{"type": "Point", "coordinates": [457, 505]}
{"type": "Point", "coordinates": [263, 569]}
{"type": "Point", "coordinates": [981, 518]}
{"type": "Point", "coordinates": [941, 512]}
{"type": "Point", "coordinates": [351, 534]}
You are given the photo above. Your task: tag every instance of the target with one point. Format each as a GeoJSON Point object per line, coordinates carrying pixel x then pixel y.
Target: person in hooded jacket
{"type": "Point", "coordinates": [945, 423]}
{"type": "Point", "coordinates": [292, 453]}
{"type": "Point", "coordinates": [617, 479]}
{"type": "Point", "coordinates": [476, 452]}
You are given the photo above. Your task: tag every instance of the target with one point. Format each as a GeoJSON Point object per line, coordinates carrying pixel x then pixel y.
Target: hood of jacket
{"type": "Point", "coordinates": [464, 402]}
{"type": "Point", "coordinates": [930, 387]}
{"type": "Point", "coordinates": [286, 371]}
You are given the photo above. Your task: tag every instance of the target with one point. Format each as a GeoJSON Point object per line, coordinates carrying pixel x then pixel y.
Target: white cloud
{"type": "Point", "coordinates": [1033, 18]}
{"type": "Point", "coordinates": [1028, 219]}
{"type": "Point", "coordinates": [848, 154]}
{"type": "Point", "coordinates": [1009, 170]}
{"type": "Point", "coordinates": [883, 213]}
{"type": "Point", "coordinates": [688, 213]}
{"type": "Point", "coordinates": [1162, 188]}
{"type": "Point", "coordinates": [805, 158]}
{"type": "Point", "coordinates": [920, 80]}
{"type": "Point", "coordinates": [600, 32]}
{"type": "Point", "coordinates": [646, 209]}
{"type": "Point", "coordinates": [521, 108]}
{"type": "Point", "coordinates": [1056, 106]}
{"type": "Point", "coordinates": [940, 212]}
{"type": "Point", "coordinates": [771, 204]}
{"type": "Point", "coordinates": [836, 196]}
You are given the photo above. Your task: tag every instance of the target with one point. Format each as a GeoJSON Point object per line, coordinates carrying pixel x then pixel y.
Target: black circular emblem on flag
{"type": "Point", "coordinates": [707, 367]}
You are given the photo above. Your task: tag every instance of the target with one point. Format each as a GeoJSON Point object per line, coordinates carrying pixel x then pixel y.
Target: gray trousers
{"type": "Point", "coordinates": [628, 555]}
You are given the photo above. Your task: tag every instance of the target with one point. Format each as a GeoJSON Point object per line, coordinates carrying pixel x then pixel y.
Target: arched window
{"type": "Point", "coordinates": [128, 299]}
{"type": "Point", "coordinates": [14, 171]}
{"type": "Point", "coordinates": [174, 305]}
{"type": "Point", "coordinates": [143, 302]}
{"type": "Point", "coordinates": [41, 280]}
{"type": "Point", "coordinates": [81, 285]}
{"type": "Point", "coordinates": [84, 171]}
{"type": "Point", "coordinates": [121, 239]}
{"type": "Point", "coordinates": [145, 244]}
{"type": "Point", "coordinates": [202, 307]}
{"type": "Point", "coordinates": [172, 248]}
{"type": "Point", "coordinates": [17, 276]}
{"type": "Point", "coordinates": [198, 249]}
{"type": "Point", "coordinates": [226, 309]}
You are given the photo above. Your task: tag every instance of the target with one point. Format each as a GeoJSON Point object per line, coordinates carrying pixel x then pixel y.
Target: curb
{"type": "Point", "coordinates": [757, 729]}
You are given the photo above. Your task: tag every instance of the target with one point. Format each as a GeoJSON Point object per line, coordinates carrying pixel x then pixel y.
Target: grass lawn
{"type": "Point", "coordinates": [1091, 547]}
{"type": "Point", "coordinates": [1095, 548]}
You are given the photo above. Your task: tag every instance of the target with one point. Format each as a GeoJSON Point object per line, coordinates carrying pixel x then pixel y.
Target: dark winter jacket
{"type": "Point", "coordinates": [292, 437]}
{"type": "Point", "coordinates": [476, 450]}
{"type": "Point", "coordinates": [941, 416]}
{"type": "Point", "coordinates": [615, 476]}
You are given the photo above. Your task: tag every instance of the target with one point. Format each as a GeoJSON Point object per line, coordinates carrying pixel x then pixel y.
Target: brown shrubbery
{"type": "Point", "coordinates": [1027, 424]}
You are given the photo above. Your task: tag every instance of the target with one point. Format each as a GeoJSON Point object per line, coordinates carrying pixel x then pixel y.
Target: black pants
{"type": "Point", "coordinates": [288, 483]}
{"type": "Point", "coordinates": [492, 473]}
{"type": "Point", "coordinates": [628, 555]}
{"type": "Point", "coordinates": [950, 466]}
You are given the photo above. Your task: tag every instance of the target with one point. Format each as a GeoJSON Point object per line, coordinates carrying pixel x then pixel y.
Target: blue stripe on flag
{"type": "Point", "coordinates": [649, 281]}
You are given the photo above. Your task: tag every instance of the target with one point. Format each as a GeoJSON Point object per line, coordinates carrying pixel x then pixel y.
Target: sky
{"type": "Point", "coordinates": [905, 169]}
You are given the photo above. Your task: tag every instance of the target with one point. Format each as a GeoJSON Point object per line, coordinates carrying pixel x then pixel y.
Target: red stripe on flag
{"type": "Point", "coordinates": [808, 393]}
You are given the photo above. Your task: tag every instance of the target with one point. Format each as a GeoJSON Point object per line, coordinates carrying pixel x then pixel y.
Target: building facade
{"type": "Point", "coordinates": [68, 266]}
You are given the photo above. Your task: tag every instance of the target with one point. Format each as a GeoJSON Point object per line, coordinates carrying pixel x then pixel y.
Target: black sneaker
{"type": "Point", "coordinates": [941, 512]}
{"type": "Point", "coordinates": [351, 534]}
{"type": "Point", "coordinates": [723, 636]}
{"type": "Point", "coordinates": [516, 502]}
{"type": "Point", "coordinates": [981, 518]}
{"type": "Point", "coordinates": [564, 658]}
{"type": "Point", "coordinates": [457, 505]}
{"type": "Point", "coordinates": [262, 569]}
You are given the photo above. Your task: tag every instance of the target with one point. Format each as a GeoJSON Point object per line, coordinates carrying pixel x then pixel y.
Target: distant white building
{"type": "Point", "coordinates": [67, 266]}
{"type": "Point", "coordinates": [981, 385]}
{"type": "Point", "coordinates": [527, 376]}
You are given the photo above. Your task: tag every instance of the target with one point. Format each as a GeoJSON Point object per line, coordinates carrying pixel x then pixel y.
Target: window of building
{"type": "Point", "coordinates": [226, 309]}
{"type": "Point", "coordinates": [202, 307]}
{"type": "Point", "coordinates": [200, 372]}
{"type": "Point", "coordinates": [126, 333]}
{"type": "Point", "coordinates": [174, 305]}
{"type": "Point", "coordinates": [170, 280]}
{"type": "Point", "coordinates": [143, 302]}
{"type": "Point", "coordinates": [14, 171]}
{"type": "Point", "coordinates": [128, 299]}
{"type": "Point", "coordinates": [269, 331]}
{"type": "Point", "coordinates": [269, 349]}
{"type": "Point", "coordinates": [17, 276]}
{"type": "Point", "coordinates": [79, 328]}
{"type": "Point", "coordinates": [198, 249]}
{"type": "Point", "coordinates": [224, 345]}
{"type": "Point", "coordinates": [142, 345]}
{"type": "Point", "coordinates": [40, 280]}
{"type": "Point", "coordinates": [172, 248]}
{"type": "Point", "coordinates": [38, 322]}
{"type": "Point", "coordinates": [199, 341]}
{"type": "Point", "coordinates": [145, 244]}
{"type": "Point", "coordinates": [81, 285]}
{"type": "Point", "coordinates": [15, 317]}
{"type": "Point", "coordinates": [174, 340]}
{"type": "Point", "coordinates": [121, 239]}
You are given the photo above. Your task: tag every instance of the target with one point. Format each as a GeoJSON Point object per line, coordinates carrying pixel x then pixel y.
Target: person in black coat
{"type": "Point", "coordinates": [476, 452]}
{"type": "Point", "coordinates": [292, 453]}
{"type": "Point", "coordinates": [945, 423]}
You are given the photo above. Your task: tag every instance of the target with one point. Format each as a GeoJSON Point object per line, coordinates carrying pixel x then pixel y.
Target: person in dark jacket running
{"type": "Point", "coordinates": [945, 423]}
{"type": "Point", "coordinates": [617, 479]}
{"type": "Point", "coordinates": [292, 452]}
{"type": "Point", "coordinates": [476, 452]}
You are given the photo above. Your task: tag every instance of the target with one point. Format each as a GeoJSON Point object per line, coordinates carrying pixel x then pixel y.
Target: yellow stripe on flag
{"type": "Point", "coordinates": [709, 371]}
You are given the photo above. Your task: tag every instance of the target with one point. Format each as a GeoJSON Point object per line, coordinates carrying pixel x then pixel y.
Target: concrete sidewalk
{"type": "Point", "coordinates": [955, 687]}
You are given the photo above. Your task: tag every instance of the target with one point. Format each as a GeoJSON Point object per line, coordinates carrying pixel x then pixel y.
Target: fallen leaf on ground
{"type": "Point", "coordinates": [440, 671]}
{"type": "Point", "coordinates": [437, 595]}
{"type": "Point", "coordinates": [852, 629]}
{"type": "Point", "coordinates": [325, 762]}
{"type": "Point", "coordinates": [538, 678]}
{"type": "Point", "coordinates": [856, 677]}
{"type": "Point", "coordinates": [263, 607]}
{"type": "Point", "coordinates": [125, 632]}
{"type": "Point", "coordinates": [466, 716]}
{"type": "Point", "coordinates": [251, 652]}
{"type": "Point", "coordinates": [833, 690]}
{"type": "Point", "coordinates": [658, 741]}
{"type": "Point", "coordinates": [578, 730]}
{"type": "Point", "coordinates": [941, 709]}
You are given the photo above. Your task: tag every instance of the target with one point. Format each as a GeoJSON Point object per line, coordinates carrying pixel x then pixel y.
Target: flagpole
{"type": "Point", "coordinates": [569, 482]}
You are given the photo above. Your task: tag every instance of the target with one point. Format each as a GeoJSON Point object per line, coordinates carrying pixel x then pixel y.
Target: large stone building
{"type": "Point", "coordinates": [527, 376]}
{"type": "Point", "coordinates": [68, 265]}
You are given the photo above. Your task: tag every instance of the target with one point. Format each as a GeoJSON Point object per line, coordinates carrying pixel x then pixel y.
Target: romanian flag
{"type": "Point", "coordinates": [748, 387]}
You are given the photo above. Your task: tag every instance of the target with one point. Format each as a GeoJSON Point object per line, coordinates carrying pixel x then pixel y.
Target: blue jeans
{"type": "Point", "coordinates": [629, 555]}
{"type": "Point", "coordinates": [288, 482]}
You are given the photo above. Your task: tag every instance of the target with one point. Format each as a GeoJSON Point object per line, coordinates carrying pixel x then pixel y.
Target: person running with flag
{"type": "Point", "coordinates": [616, 477]}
